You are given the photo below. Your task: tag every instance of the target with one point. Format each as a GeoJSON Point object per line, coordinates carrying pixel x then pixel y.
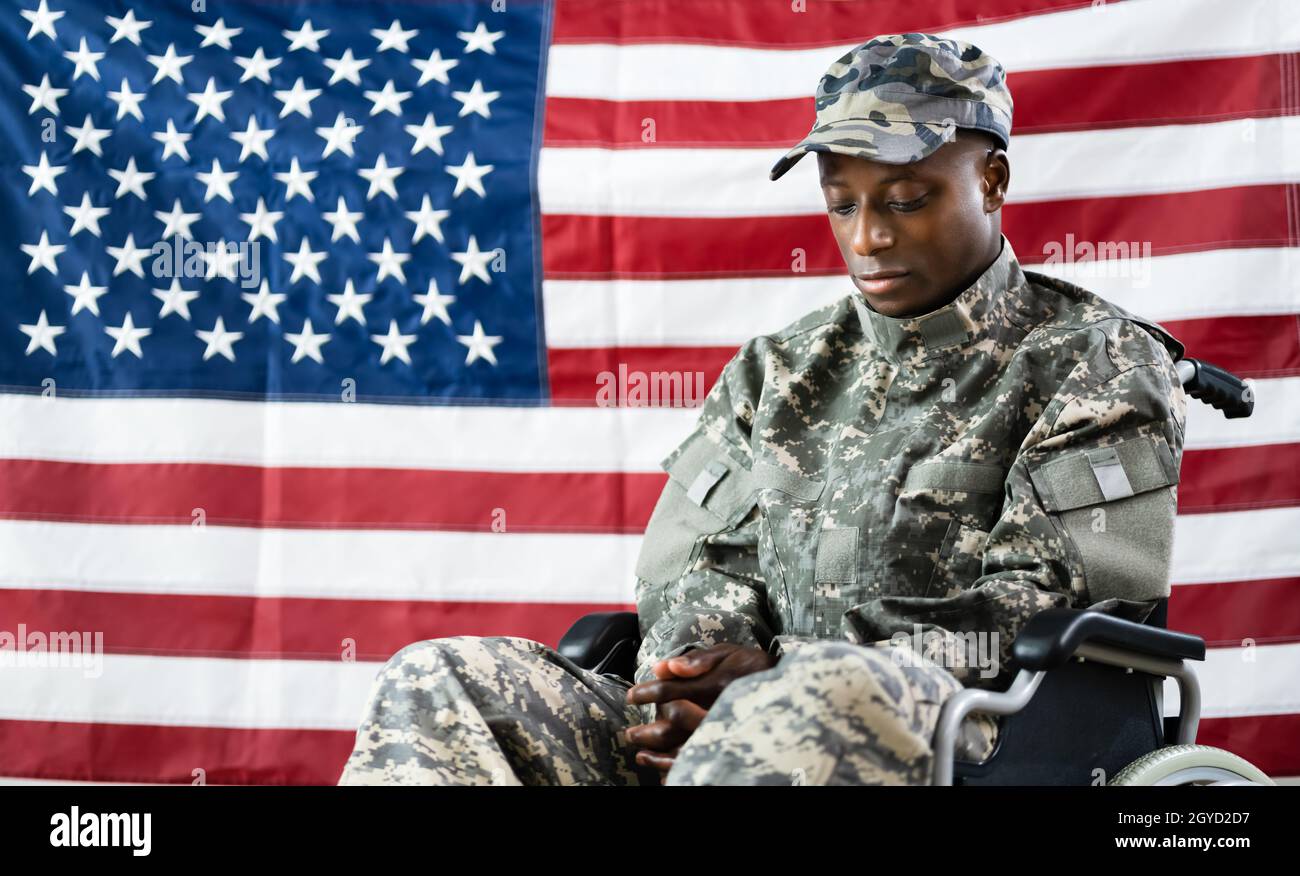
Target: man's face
{"type": "Point", "coordinates": [923, 227]}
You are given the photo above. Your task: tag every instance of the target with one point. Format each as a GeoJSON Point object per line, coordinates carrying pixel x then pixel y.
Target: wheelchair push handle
{"type": "Point", "coordinates": [1220, 389]}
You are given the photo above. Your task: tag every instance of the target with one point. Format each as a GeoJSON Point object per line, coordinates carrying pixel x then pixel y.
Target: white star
{"type": "Point", "coordinates": [217, 182]}
{"type": "Point", "coordinates": [209, 102]}
{"type": "Point", "coordinates": [86, 61]}
{"type": "Point", "coordinates": [222, 259]}
{"type": "Point", "coordinates": [219, 341]}
{"type": "Point", "coordinates": [434, 68]}
{"type": "Point", "coordinates": [345, 223]}
{"type": "Point", "coordinates": [175, 300]}
{"type": "Point", "coordinates": [306, 343]}
{"type": "Point", "coordinates": [479, 345]}
{"type": "Point", "coordinates": [428, 135]}
{"type": "Point", "coordinates": [339, 137]}
{"type": "Point", "coordinates": [88, 137]}
{"type": "Point", "coordinates": [480, 39]}
{"type": "Point", "coordinates": [394, 37]}
{"type": "Point", "coordinates": [43, 175]}
{"type": "Point", "coordinates": [305, 38]}
{"type": "Point", "coordinates": [129, 257]}
{"type": "Point", "coordinates": [427, 221]}
{"type": "Point", "coordinates": [346, 67]}
{"type": "Point", "coordinates": [469, 176]}
{"type": "Point", "coordinates": [44, 97]}
{"type": "Point", "coordinates": [350, 304]}
{"type": "Point", "coordinates": [305, 262]}
{"type": "Point", "coordinates": [131, 180]}
{"type": "Point", "coordinates": [127, 28]}
{"type": "Point", "coordinates": [389, 99]}
{"type": "Point", "coordinates": [178, 221]}
{"type": "Point", "coordinates": [389, 262]}
{"type": "Point", "coordinates": [394, 344]}
{"type": "Point", "coordinates": [253, 140]}
{"type": "Point", "coordinates": [42, 20]}
{"type": "Point", "coordinates": [43, 254]}
{"type": "Point", "coordinates": [258, 67]}
{"type": "Point", "coordinates": [297, 99]}
{"type": "Point", "coordinates": [297, 181]}
{"type": "Point", "coordinates": [262, 222]}
{"type": "Point", "coordinates": [173, 142]}
{"type": "Point", "coordinates": [476, 100]}
{"type": "Point", "coordinates": [127, 337]}
{"type": "Point", "coordinates": [217, 34]}
{"type": "Point", "coordinates": [435, 304]}
{"type": "Point", "coordinates": [473, 261]}
{"type": "Point", "coordinates": [264, 303]}
{"type": "Point", "coordinates": [85, 296]}
{"type": "Point", "coordinates": [169, 65]}
{"type": "Point", "coordinates": [86, 216]}
{"type": "Point", "coordinates": [381, 178]}
{"type": "Point", "coordinates": [42, 334]}
{"type": "Point", "coordinates": [128, 102]}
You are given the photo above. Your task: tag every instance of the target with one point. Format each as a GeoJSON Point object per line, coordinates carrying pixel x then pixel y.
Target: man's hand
{"type": "Point", "coordinates": [684, 688]}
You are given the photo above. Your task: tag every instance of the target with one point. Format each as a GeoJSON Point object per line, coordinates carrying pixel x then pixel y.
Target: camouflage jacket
{"type": "Point", "coordinates": [929, 481]}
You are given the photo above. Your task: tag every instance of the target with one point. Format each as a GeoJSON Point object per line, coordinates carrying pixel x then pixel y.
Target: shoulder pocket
{"type": "Point", "coordinates": [707, 492]}
{"type": "Point", "coordinates": [1117, 505]}
{"type": "Point", "coordinates": [1104, 474]}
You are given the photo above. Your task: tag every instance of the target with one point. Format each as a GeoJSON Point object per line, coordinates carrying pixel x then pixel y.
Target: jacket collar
{"type": "Point", "coordinates": [969, 318]}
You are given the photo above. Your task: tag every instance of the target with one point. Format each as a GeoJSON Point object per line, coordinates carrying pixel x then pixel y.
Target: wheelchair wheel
{"type": "Point", "coordinates": [1190, 765]}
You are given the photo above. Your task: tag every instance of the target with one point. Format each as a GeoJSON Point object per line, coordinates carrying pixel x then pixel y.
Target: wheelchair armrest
{"type": "Point", "coordinates": [595, 636]}
{"type": "Point", "coordinates": [1052, 636]}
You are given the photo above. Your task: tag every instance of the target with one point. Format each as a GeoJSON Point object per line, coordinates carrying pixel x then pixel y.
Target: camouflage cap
{"type": "Point", "coordinates": [897, 98]}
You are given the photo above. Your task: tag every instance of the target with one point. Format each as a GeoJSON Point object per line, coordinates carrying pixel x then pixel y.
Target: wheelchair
{"type": "Point", "coordinates": [1085, 707]}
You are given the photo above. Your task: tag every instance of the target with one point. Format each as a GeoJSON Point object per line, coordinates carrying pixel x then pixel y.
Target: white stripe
{"type": "Point", "coordinates": [329, 695]}
{"type": "Point", "coordinates": [490, 567]}
{"type": "Point", "coordinates": [1275, 420]}
{"type": "Point", "coordinates": [465, 438]}
{"type": "Point", "coordinates": [727, 312]}
{"type": "Point", "coordinates": [476, 439]}
{"type": "Point", "coordinates": [338, 564]}
{"type": "Point", "coordinates": [191, 692]}
{"type": "Point", "coordinates": [1238, 682]}
{"type": "Point", "coordinates": [1120, 33]}
{"type": "Point", "coordinates": [1236, 546]}
{"type": "Point", "coordinates": [1076, 164]}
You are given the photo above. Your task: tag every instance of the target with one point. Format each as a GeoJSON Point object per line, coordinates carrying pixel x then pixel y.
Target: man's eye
{"type": "Point", "coordinates": [908, 206]}
{"type": "Point", "coordinates": [842, 209]}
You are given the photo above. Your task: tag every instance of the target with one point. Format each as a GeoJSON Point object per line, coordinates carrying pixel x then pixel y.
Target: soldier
{"type": "Point", "coordinates": [874, 501]}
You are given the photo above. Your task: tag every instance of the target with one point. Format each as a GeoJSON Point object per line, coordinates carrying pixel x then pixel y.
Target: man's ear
{"type": "Point", "coordinates": [997, 177]}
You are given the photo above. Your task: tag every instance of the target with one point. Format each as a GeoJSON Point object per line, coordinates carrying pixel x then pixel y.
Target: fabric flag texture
{"type": "Point", "coordinates": [328, 327]}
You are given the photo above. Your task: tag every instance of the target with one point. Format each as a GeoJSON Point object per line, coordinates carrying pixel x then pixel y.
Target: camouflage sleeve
{"type": "Point", "coordinates": [1087, 522]}
{"type": "Point", "coordinates": [697, 576]}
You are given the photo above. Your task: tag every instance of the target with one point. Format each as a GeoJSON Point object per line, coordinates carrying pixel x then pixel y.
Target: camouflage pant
{"type": "Point", "coordinates": [502, 710]}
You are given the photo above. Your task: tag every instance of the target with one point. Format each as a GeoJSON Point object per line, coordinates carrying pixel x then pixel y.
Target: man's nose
{"type": "Point", "coordinates": [871, 234]}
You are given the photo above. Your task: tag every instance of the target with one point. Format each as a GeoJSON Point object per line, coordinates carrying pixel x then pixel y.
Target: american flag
{"type": "Point", "coordinates": [306, 309]}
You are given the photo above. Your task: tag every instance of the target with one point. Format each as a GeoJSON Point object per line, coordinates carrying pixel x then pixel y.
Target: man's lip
{"type": "Point", "coordinates": [882, 275]}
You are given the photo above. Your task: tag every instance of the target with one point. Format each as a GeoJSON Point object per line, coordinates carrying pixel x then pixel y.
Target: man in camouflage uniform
{"type": "Point", "coordinates": [875, 500]}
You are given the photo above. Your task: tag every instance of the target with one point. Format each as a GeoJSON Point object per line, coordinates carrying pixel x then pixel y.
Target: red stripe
{"type": "Point", "coordinates": [576, 374]}
{"type": "Point", "coordinates": [328, 498]}
{"type": "Point", "coordinates": [585, 247]}
{"type": "Point", "coordinates": [776, 22]}
{"type": "Point", "coordinates": [593, 502]}
{"type": "Point", "coordinates": [1226, 614]}
{"type": "Point", "coordinates": [1101, 97]}
{"type": "Point", "coordinates": [1267, 741]}
{"type": "Point", "coordinates": [150, 753]}
{"type": "Point", "coordinates": [263, 627]}
{"type": "Point", "coordinates": [1239, 478]}
{"type": "Point", "coordinates": [1248, 346]}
